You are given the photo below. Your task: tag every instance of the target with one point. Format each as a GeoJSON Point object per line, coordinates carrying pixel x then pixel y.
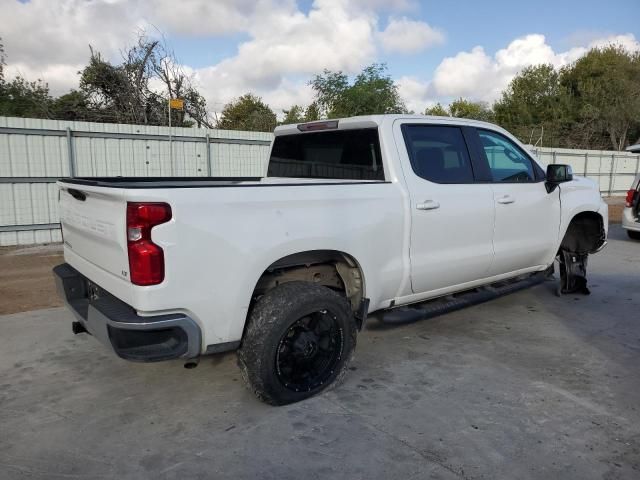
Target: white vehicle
{"type": "Point", "coordinates": [355, 216]}
{"type": "Point", "coordinates": [631, 211]}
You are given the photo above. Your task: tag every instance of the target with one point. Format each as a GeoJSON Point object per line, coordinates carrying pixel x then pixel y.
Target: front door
{"type": "Point", "coordinates": [527, 217]}
{"type": "Point", "coordinates": [451, 216]}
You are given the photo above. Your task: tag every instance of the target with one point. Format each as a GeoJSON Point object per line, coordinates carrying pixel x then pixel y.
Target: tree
{"type": "Point", "coordinates": [109, 93]}
{"type": "Point", "coordinates": [294, 115]}
{"type": "Point", "coordinates": [129, 92]}
{"type": "Point", "coordinates": [247, 112]}
{"type": "Point", "coordinates": [137, 90]}
{"type": "Point", "coordinates": [312, 112]}
{"type": "Point", "coordinates": [71, 106]}
{"type": "Point", "coordinates": [438, 110]}
{"type": "Point", "coordinates": [299, 114]}
{"type": "Point", "coordinates": [592, 103]}
{"type": "Point", "coordinates": [534, 103]}
{"type": "Point", "coordinates": [604, 91]}
{"type": "Point", "coordinates": [20, 98]}
{"type": "Point", "coordinates": [372, 92]}
{"type": "Point", "coordinates": [462, 108]}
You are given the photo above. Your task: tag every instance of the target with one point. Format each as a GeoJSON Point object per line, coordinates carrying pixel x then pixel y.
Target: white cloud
{"type": "Point", "coordinates": [403, 35]}
{"type": "Point", "coordinates": [44, 37]}
{"type": "Point", "coordinates": [287, 94]}
{"type": "Point", "coordinates": [414, 92]}
{"type": "Point", "coordinates": [383, 5]}
{"type": "Point", "coordinates": [479, 76]}
{"type": "Point", "coordinates": [43, 32]}
{"type": "Point", "coordinates": [200, 17]}
{"type": "Point", "coordinates": [465, 74]}
{"type": "Point", "coordinates": [627, 41]}
{"type": "Point", "coordinates": [59, 76]}
{"type": "Point", "coordinates": [286, 45]}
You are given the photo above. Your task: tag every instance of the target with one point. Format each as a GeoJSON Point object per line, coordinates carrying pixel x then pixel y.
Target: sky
{"type": "Point", "coordinates": [436, 51]}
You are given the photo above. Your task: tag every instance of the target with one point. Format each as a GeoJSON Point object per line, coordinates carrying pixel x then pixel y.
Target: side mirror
{"type": "Point", "coordinates": [557, 174]}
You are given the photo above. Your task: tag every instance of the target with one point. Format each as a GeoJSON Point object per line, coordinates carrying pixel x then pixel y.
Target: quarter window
{"type": "Point", "coordinates": [438, 153]}
{"type": "Point", "coordinates": [507, 162]}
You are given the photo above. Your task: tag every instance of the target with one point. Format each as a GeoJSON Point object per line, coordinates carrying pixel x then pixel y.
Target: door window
{"type": "Point", "coordinates": [507, 162]}
{"type": "Point", "coordinates": [438, 153]}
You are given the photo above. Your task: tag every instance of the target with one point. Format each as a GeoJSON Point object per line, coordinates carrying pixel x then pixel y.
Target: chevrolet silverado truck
{"type": "Point", "coordinates": [355, 216]}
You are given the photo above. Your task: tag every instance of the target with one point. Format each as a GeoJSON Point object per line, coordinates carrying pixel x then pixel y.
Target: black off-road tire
{"type": "Point", "coordinates": [273, 315]}
{"type": "Point", "coordinates": [633, 234]}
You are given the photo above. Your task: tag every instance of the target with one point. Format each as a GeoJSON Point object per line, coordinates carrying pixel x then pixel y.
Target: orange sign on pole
{"type": "Point", "coordinates": [176, 103]}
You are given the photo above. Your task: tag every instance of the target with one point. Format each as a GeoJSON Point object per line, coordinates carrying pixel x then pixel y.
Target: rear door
{"type": "Point", "coordinates": [93, 223]}
{"type": "Point", "coordinates": [451, 215]}
{"type": "Point", "coordinates": [527, 217]}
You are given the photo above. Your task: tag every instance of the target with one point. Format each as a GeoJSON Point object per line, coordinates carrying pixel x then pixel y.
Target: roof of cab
{"type": "Point", "coordinates": [372, 121]}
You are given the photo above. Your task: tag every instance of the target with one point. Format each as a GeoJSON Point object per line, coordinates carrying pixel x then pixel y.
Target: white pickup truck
{"type": "Point", "coordinates": [355, 216]}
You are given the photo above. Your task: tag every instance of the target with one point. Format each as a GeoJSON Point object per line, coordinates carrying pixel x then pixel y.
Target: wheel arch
{"type": "Point", "coordinates": [316, 265]}
{"type": "Point", "coordinates": [306, 265]}
{"type": "Point", "coordinates": [584, 233]}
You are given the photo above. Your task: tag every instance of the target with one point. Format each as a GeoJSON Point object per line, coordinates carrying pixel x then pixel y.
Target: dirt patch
{"type": "Point", "coordinates": [615, 213]}
{"type": "Point", "coordinates": [616, 205]}
{"type": "Point", "coordinates": [26, 281]}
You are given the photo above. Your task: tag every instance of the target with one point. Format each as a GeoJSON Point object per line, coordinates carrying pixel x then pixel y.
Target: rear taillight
{"type": "Point", "coordinates": [630, 197]}
{"type": "Point", "coordinates": [146, 259]}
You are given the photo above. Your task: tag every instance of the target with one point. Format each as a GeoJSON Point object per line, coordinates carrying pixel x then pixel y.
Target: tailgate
{"type": "Point", "coordinates": [93, 223]}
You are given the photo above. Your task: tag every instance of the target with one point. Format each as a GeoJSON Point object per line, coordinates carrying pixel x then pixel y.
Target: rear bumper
{"type": "Point", "coordinates": [118, 326]}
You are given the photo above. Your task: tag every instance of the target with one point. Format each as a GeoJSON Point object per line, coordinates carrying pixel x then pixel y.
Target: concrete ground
{"type": "Point", "coordinates": [526, 386]}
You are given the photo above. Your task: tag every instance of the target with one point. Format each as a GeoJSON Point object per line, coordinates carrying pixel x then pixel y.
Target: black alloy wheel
{"type": "Point", "coordinates": [309, 351]}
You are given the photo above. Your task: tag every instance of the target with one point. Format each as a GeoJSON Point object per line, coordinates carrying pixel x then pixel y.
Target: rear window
{"type": "Point", "coordinates": [338, 154]}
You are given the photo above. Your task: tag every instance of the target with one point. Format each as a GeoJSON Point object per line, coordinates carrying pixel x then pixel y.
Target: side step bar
{"type": "Point", "coordinates": [450, 303]}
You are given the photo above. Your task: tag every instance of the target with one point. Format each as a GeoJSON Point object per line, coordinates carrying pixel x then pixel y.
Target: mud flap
{"type": "Point", "coordinates": [573, 273]}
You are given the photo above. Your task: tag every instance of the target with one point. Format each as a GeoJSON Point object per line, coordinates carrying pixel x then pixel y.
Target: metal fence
{"type": "Point", "coordinates": [34, 153]}
{"type": "Point", "coordinates": [613, 171]}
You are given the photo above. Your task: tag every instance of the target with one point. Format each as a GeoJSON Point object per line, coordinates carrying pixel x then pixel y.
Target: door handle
{"type": "Point", "coordinates": [506, 199]}
{"type": "Point", "coordinates": [428, 205]}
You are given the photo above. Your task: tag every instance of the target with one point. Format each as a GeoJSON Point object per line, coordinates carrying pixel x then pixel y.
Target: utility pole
{"type": "Point", "coordinates": [170, 146]}
{"type": "Point", "coordinates": [178, 104]}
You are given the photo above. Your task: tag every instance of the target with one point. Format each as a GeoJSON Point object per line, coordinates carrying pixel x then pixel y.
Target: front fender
{"type": "Point", "coordinates": [578, 196]}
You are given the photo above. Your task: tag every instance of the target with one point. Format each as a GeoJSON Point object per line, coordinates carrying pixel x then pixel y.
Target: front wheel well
{"type": "Point", "coordinates": [330, 268]}
{"type": "Point", "coordinates": [585, 233]}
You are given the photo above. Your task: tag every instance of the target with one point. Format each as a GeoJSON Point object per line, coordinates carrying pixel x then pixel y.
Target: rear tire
{"type": "Point", "coordinates": [299, 340]}
{"type": "Point", "coordinates": [633, 234]}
